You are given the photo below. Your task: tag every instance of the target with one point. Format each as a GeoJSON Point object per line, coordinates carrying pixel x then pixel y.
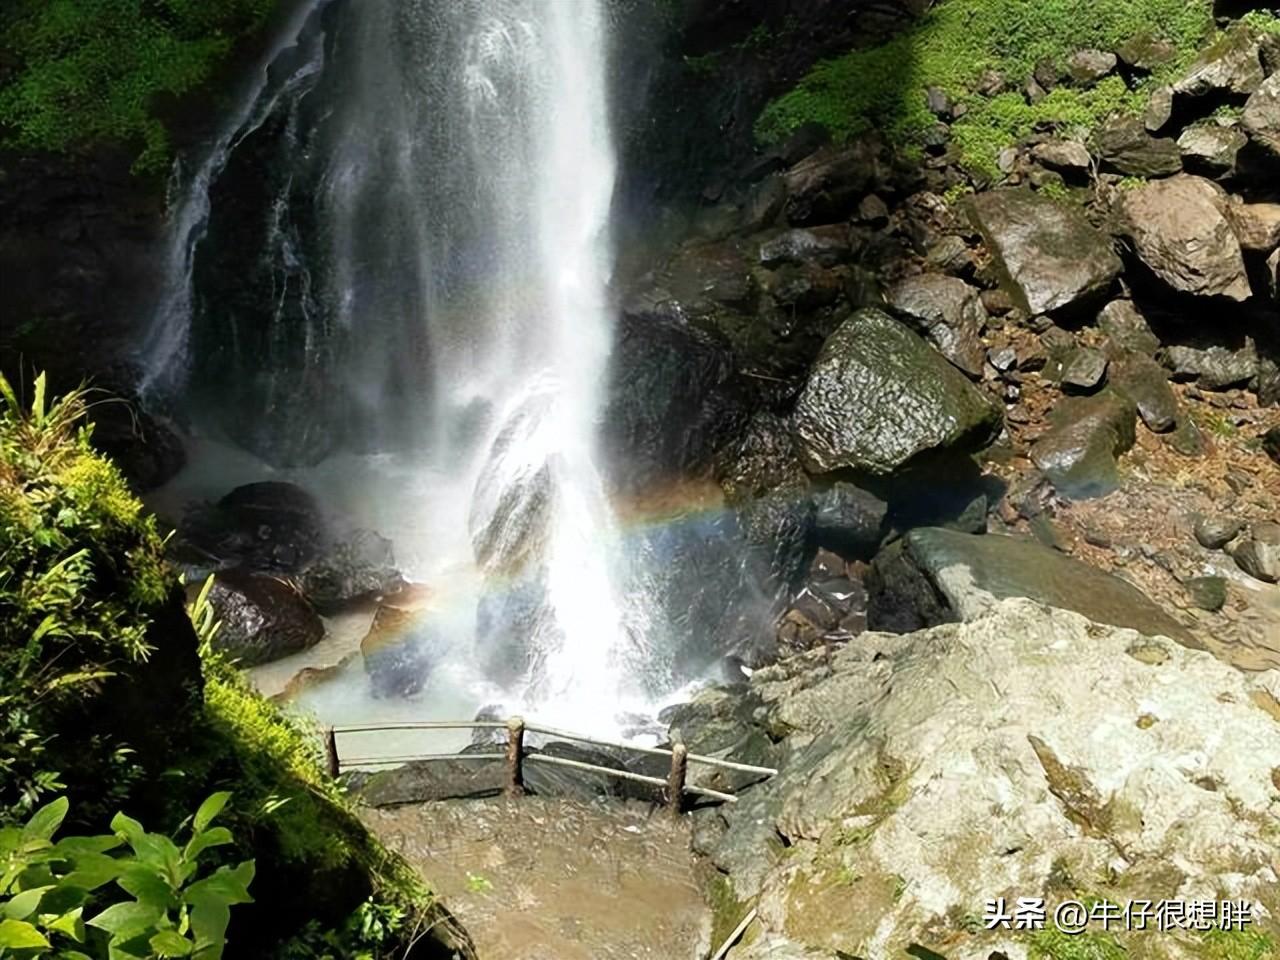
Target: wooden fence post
{"type": "Point", "coordinates": [331, 752]}
{"type": "Point", "coordinates": [676, 778]}
{"type": "Point", "coordinates": [515, 757]}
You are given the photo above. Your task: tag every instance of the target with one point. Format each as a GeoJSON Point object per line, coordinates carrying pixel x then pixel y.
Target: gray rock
{"type": "Point", "coordinates": [360, 568]}
{"type": "Point", "coordinates": [873, 210]}
{"type": "Point", "coordinates": [1215, 532]}
{"type": "Point", "coordinates": [1078, 453]}
{"type": "Point", "coordinates": [1084, 368]}
{"type": "Point", "coordinates": [264, 618]}
{"type": "Point", "coordinates": [1159, 110]}
{"type": "Point", "coordinates": [938, 102]}
{"type": "Point", "coordinates": [951, 255]}
{"type": "Point", "coordinates": [1127, 329]}
{"type": "Point", "coordinates": [897, 750]}
{"type": "Point", "coordinates": [1180, 229]}
{"type": "Point", "coordinates": [1124, 143]}
{"type": "Point", "coordinates": [1212, 148]}
{"type": "Point", "coordinates": [1257, 225]}
{"type": "Point", "coordinates": [825, 186]}
{"type": "Point", "coordinates": [1145, 52]}
{"type": "Point", "coordinates": [1187, 439]}
{"type": "Point", "coordinates": [1259, 560]}
{"type": "Point", "coordinates": [762, 459]}
{"type": "Point", "coordinates": [1215, 367]}
{"type": "Point", "coordinates": [1087, 67]}
{"type": "Point", "coordinates": [1271, 444]}
{"type": "Point", "coordinates": [948, 312]}
{"type": "Point", "coordinates": [1261, 117]}
{"type": "Point", "coordinates": [879, 395]}
{"type": "Point", "coordinates": [966, 574]}
{"type": "Point", "coordinates": [1146, 383]}
{"type": "Point", "coordinates": [764, 204]}
{"type": "Point", "coordinates": [1207, 593]}
{"type": "Point", "coordinates": [826, 246]}
{"type": "Point", "coordinates": [1232, 65]}
{"type": "Point", "coordinates": [1069, 156]}
{"type": "Point", "coordinates": [1048, 254]}
{"type": "Point", "coordinates": [849, 521]}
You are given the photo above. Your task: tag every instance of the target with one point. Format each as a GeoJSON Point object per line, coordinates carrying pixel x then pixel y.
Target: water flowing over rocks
{"type": "Point", "coordinates": [1027, 750]}
{"type": "Point", "coordinates": [879, 395]}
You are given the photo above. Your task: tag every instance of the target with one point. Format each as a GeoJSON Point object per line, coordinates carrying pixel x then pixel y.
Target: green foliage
{"type": "Point", "coordinates": [1236, 945]}
{"type": "Point", "coordinates": [373, 930]}
{"type": "Point", "coordinates": [204, 618]}
{"type": "Point", "coordinates": [81, 573]}
{"type": "Point", "coordinates": [951, 47]}
{"type": "Point", "coordinates": [1053, 944]}
{"type": "Point", "coordinates": [128, 894]}
{"type": "Point", "coordinates": [90, 71]}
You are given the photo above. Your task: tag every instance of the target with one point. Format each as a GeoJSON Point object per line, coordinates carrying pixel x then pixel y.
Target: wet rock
{"type": "Point", "coordinates": [1214, 367]}
{"type": "Point", "coordinates": [1187, 438]}
{"type": "Point", "coordinates": [401, 647]}
{"type": "Point", "coordinates": [764, 204]}
{"type": "Point", "coordinates": [1211, 148]}
{"type": "Point", "coordinates": [271, 526]}
{"type": "Point", "coordinates": [1207, 593]}
{"type": "Point", "coordinates": [705, 275]}
{"type": "Point", "coordinates": [1261, 118]}
{"type": "Point", "coordinates": [764, 458]}
{"type": "Point", "coordinates": [359, 569]}
{"type": "Point", "coordinates": [1087, 67]}
{"type": "Point", "coordinates": [1124, 143]}
{"type": "Point", "coordinates": [826, 185]}
{"type": "Point", "coordinates": [1259, 560]}
{"type": "Point", "coordinates": [146, 448]}
{"type": "Point", "coordinates": [1067, 156]}
{"type": "Point", "coordinates": [1083, 368]}
{"type": "Point", "coordinates": [849, 521]}
{"type": "Point", "coordinates": [1181, 231]}
{"type": "Point", "coordinates": [1146, 383]}
{"type": "Point", "coordinates": [1232, 65]}
{"type": "Point", "coordinates": [1049, 255]}
{"type": "Point", "coordinates": [1127, 329]}
{"type": "Point", "coordinates": [1257, 225]}
{"type": "Point", "coordinates": [1145, 52]}
{"type": "Point", "coordinates": [264, 618]}
{"type": "Point", "coordinates": [948, 312]}
{"type": "Point", "coordinates": [951, 255]}
{"type": "Point", "coordinates": [1215, 532]}
{"type": "Point", "coordinates": [935, 576]}
{"type": "Point", "coordinates": [879, 395]}
{"type": "Point", "coordinates": [1078, 453]}
{"type": "Point", "coordinates": [826, 246]}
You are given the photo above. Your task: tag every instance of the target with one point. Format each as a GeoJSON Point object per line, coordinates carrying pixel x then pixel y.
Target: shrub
{"type": "Point", "coordinates": [90, 71]}
{"type": "Point", "coordinates": [162, 900]}
{"type": "Point", "coordinates": [951, 47]}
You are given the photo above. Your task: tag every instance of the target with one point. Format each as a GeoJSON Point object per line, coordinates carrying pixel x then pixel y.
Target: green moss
{"type": "Point", "coordinates": [1053, 944]}
{"type": "Point", "coordinates": [1236, 945]}
{"type": "Point", "coordinates": [84, 72]}
{"type": "Point", "coordinates": [952, 46]}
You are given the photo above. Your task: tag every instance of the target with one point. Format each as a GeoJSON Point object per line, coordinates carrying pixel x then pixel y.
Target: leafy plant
{"type": "Point", "coordinates": [204, 618]}
{"type": "Point", "coordinates": [81, 898]}
{"type": "Point", "coordinates": [91, 71]}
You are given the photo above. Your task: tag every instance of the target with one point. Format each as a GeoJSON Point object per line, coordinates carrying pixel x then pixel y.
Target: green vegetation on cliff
{"type": "Point", "coordinates": [958, 43]}
{"type": "Point", "coordinates": [78, 73]}
{"type": "Point", "coordinates": [109, 700]}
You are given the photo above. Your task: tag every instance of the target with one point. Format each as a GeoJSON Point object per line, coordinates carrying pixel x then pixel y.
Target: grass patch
{"type": "Point", "coordinates": [79, 73]}
{"type": "Point", "coordinates": [958, 41]}
{"type": "Point", "coordinates": [1052, 944]}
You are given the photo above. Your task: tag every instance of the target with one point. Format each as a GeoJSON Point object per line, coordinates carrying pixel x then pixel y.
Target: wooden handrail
{"type": "Point", "coordinates": [515, 754]}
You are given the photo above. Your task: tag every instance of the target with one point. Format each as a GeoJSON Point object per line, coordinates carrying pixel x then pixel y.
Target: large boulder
{"type": "Point", "coordinates": [826, 185]}
{"type": "Point", "coordinates": [1078, 453]}
{"type": "Point", "coordinates": [1018, 755]}
{"type": "Point", "coordinates": [879, 396]}
{"type": "Point", "coordinates": [1257, 225]}
{"type": "Point", "coordinates": [1181, 229]}
{"type": "Point", "coordinates": [946, 310]}
{"type": "Point", "coordinates": [1049, 255]}
{"type": "Point", "coordinates": [1214, 366]}
{"type": "Point", "coordinates": [1231, 65]}
{"type": "Point", "coordinates": [1146, 383]}
{"type": "Point", "coordinates": [360, 568]}
{"type": "Point", "coordinates": [934, 576]}
{"type": "Point", "coordinates": [1261, 117]}
{"type": "Point", "coordinates": [264, 618]}
{"type": "Point", "coordinates": [270, 526]}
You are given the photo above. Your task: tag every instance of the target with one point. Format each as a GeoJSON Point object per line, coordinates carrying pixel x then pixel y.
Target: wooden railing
{"type": "Point", "coordinates": [515, 756]}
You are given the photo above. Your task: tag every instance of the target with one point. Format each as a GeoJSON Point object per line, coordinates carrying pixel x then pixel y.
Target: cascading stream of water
{"type": "Point", "coordinates": [430, 259]}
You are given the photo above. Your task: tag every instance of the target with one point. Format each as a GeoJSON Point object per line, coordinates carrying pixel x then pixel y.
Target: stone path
{"type": "Point", "coordinates": [552, 879]}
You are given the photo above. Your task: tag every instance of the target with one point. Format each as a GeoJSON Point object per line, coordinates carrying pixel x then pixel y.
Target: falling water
{"type": "Point", "coordinates": [400, 245]}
